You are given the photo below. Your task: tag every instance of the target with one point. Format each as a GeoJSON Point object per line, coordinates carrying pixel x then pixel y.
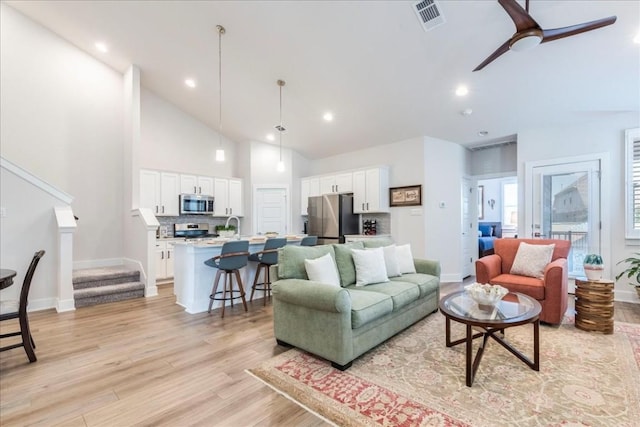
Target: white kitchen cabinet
{"type": "Point", "coordinates": [228, 197]}
{"type": "Point", "coordinates": [164, 260]}
{"type": "Point", "coordinates": [339, 183]}
{"type": "Point", "coordinates": [192, 184]}
{"type": "Point", "coordinates": [159, 191]}
{"type": "Point", "coordinates": [309, 187]}
{"type": "Point", "coordinates": [371, 190]}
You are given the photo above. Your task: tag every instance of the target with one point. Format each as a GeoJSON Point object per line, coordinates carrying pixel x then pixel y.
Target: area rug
{"type": "Point", "coordinates": [413, 379]}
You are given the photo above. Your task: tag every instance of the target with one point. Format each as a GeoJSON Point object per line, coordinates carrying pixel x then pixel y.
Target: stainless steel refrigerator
{"type": "Point", "coordinates": [331, 217]}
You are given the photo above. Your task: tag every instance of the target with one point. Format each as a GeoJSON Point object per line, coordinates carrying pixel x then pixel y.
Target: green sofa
{"type": "Point", "coordinates": [341, 323]}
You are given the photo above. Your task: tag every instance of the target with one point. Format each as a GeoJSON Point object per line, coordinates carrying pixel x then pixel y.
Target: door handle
{"type": "Point", "coordinates": [156, 208]}
{"type": "Point", "coordinates": [230, 211]}
{"type": "Point", "coordinates": [161, 254]}
{"type": "Point", "coordinates": [194, 189]}
{"type": "Point", "coordinates": [367, 205]}
{"type": "Point", "coordinates": [363, 206]}
{"type": "Point", "coordinates": [162, 208]}
{"type": "Point", "coordinates": [168, 255]}
{"type": "Point", "coordinates": [199, 190]}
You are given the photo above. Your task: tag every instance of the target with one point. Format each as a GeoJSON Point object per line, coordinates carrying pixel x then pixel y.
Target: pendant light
{"type": "Point", "coordinates": [220, 150]}
{"type": "Point", "coordinates": [280, 128]}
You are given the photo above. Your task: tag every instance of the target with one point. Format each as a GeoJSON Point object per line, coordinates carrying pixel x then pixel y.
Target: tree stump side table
{"type": "Point", "coordinates": [594, 305]}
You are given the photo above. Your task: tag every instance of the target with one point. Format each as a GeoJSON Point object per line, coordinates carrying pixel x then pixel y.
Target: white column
{"type": "Point", "coordinates": [66, 227]}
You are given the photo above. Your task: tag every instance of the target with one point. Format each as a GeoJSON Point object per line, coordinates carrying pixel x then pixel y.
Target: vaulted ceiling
{"type": "Point", "coordinates": [370, 63]}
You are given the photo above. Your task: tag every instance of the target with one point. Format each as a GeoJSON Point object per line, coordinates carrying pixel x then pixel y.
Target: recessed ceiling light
{"type": "Point", "coordinates": [190, 83]}
{"type": "Point", "coordinates": [102, 47]}
{"type": "Point", "coordinates": [466, 112]}
{"type": "Point", "coordinates": [636, 39]}
{"type": "Point", "coordinates": [328, 116]}
{"type": "Point", "coordinates": [483, 133]}
{"type": "Point", "coordinates": [462, 90]}
{"type": "Point", "coordinates": [271, 137]}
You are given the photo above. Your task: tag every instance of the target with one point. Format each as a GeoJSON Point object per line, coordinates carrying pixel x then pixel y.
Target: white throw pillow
{"type": "Point", "coordinates": [531, 260]}
{"type": "Point", "coordinates": [370, 267]}
{"type": "Point", "coordinates": [322, 270]}
{"type": "Point", "coordinates": [405, 259]}
{"type": "Point", "coordinates": [391, 261]}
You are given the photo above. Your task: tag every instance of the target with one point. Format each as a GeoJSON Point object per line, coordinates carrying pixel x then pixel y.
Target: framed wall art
{"type": "Point", "coordinates": [406, 196]}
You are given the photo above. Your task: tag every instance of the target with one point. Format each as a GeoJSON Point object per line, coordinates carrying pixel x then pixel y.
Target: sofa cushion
{"type": "Point", "coordinates": [368, 306]}
{"type": "Point", "coordinates": [401, 293]}
{"type": "Point", "coordinates": [427, 283]}
{"type": "Point", "coordinates": [531, 286]}
{"type": "Point", "coordinates": [377, 242]}
{"type": "Point", "coordinates": [291, 259]}
{"type": "Point", "coordinates": [391, 261]}
{"type": "Point", "coordinates": [370, 266]}
{"type": "Point", "coordinates": [322, 270]}
{"type": "Point", "coordinates": [344, 262]}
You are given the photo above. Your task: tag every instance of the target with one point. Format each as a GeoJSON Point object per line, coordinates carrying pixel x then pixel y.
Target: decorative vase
{"type": "Point", "coordinates": [593, 266]}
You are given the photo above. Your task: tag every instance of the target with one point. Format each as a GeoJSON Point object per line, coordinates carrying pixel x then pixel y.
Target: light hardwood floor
{"type": "Point", "coordinates": [147, 362]}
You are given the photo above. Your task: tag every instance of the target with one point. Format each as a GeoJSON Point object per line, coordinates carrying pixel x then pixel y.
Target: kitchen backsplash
{"type": "Point", "coordinates": [168, 221]}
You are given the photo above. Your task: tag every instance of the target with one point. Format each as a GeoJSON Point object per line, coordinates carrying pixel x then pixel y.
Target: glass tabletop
{"type": "Point", "coordinates": [512, 308]}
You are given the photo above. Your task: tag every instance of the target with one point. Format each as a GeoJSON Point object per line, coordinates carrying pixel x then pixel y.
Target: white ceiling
{"type": "Point", "coordinates": [369, 62]}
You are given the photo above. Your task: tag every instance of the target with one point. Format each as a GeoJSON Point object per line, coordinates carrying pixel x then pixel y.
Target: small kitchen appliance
{"type": "Point", "coordinates": [196, 204]}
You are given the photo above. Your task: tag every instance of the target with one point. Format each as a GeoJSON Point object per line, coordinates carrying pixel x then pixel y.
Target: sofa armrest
{"type": "Point", "coordinates": [318, 296]}
{"type": "Point", "coordinates": [488, 267]}
{"type": "Point", "coordinates": [427, 266]}
{"type": "Point", "coordinates": [556, 276]}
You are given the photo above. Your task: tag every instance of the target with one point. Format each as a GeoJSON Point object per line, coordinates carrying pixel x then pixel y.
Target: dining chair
{"type": "Point", "coordinates": [17, 309]}
{"type": "Point", "coordinates": [233, 256]}
{"type": "Point", "coordinates": [309, 241]}
{"type": "Point", "coordinates": [267, 257]}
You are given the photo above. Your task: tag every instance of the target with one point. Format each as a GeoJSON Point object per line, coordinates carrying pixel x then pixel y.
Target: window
{"type": "Point", "coordinates": [510, 204]}
{"type": "Point", "coordinates": [632, 184]}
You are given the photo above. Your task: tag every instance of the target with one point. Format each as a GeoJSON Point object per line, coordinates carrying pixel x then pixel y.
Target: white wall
{"type": "Point", "coordinates": [172, 140]}
{"type": "Point", "coordinates": [62, 121]}
{"type": "Point", "coordinates": [492, 190]}
{"type": "Point", "coordinates": [603, 135]}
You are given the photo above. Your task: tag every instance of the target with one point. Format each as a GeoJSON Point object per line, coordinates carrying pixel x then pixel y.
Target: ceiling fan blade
{"type": "Point", "coordinates": [520, 17]}
{"type": "Point", "coordinates": [559, 33]}
{"type": "Point", "coordinates": [502, 49]}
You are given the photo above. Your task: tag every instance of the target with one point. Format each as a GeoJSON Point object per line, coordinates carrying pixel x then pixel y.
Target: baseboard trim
{"type": "Point", "coordinates": [65, 305]}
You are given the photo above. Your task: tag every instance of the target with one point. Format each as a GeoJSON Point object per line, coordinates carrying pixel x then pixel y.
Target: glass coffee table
{"type": "Point", "coordinates": [514, 309]}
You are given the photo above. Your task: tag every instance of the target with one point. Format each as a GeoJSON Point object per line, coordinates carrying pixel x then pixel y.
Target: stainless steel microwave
{"type": "Point", "coordinates": [196, 204]}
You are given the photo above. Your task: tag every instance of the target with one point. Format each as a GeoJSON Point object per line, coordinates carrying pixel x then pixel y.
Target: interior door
{"type": "Point", "coordinates": [566, 205]}
{"type": "Point", "coordinates": [467, 228]}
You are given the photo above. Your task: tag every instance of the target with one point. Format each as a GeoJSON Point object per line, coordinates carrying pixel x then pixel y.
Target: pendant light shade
{"type": "Point", "coordinates": [280, 129]}
{"type": "Point", "coordinates": [220, 149]}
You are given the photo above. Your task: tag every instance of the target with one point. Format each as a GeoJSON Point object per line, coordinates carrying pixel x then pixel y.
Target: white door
{"type": "Point", "coordinates": [467, 228]}
{"type": "Point", "coordinates": [566, 205]}
{"type": "Point", "coordinates": [271, 210]}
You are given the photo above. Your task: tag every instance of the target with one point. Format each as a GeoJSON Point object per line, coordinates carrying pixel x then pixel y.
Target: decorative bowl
{"type": "Point", "coordinates": [271, 234]}
{"type": "Point", "coordinates": [485, 294]}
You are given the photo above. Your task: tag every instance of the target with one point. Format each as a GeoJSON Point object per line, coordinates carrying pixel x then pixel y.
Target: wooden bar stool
{"type": "Point", "coordinates": [265, 259]}
{"type": "Point", "coordinates": [233, 256]}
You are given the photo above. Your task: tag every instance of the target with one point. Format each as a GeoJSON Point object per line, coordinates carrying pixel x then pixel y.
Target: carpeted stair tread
{"type": "Point", "coordinates": [102, 299]}
{"type": "Point", "coordinates": [103, 273]}
{"type": "Point", "coordinates": [108, 289]}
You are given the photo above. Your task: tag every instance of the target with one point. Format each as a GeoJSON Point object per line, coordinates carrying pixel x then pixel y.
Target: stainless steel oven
{"type": "Point", "coordinates": [196, 204]}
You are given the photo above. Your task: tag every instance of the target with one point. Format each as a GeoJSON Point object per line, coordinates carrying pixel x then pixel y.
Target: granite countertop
{"type": "Point", "coordinates": [219, 241]}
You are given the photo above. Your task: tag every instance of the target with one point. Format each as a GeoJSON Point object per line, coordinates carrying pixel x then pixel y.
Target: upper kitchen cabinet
{"type": "Point", "coordinates": [228, 197]}
{"type": "Point", "coordinates": [309, 187]}
{"type": "Point", "coordinates": [371, 190]}
{"type": "Point", "coordinates": [159, 191]}
{"type": "Point", "coordinates": [191, 184]}
{"type": "Point", "coordinates": [341, 183]}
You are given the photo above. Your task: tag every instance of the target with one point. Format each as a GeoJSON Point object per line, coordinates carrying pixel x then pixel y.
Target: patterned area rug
{"type": "Point", "coordinates": [585, 379]}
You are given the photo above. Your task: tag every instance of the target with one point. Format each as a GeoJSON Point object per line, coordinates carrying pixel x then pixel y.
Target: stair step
{"type": "Point", "coordinates": [109, 293]}
{"type": "Point", "coordinates": [104, 276]}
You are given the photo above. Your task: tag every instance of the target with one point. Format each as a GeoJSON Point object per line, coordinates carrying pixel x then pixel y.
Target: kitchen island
{"type": "Point", "coordinates": [193, 280]}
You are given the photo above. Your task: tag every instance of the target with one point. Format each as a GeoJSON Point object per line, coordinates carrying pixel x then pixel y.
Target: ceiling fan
{"type": "Point", "coordinates": [529, 34]}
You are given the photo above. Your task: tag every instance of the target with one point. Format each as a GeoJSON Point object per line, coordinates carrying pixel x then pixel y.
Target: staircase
{"type": "Point", "coordinates": [106, 284]}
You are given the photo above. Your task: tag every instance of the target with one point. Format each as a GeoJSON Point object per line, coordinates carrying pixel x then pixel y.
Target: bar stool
{"type": "Point", "coordinates": [265, 259]}
{"type": "Point", "coordinates": [309, 241]}
{"type": "Point", "coordinates": [233, 256]}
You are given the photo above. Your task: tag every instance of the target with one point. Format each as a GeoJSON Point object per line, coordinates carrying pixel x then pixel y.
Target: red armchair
{"type": "Point", "coordinates": [550, 291]}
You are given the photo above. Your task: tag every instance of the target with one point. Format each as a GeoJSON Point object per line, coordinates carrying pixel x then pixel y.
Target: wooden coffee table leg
{"type": "Point", "coordinates": [469, 352]}
{"type": "Point", "coordinates": [536, 345]}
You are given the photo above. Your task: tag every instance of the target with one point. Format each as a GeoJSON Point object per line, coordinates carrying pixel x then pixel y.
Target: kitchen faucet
{"type": "Point", "coordinates": [237, 220]}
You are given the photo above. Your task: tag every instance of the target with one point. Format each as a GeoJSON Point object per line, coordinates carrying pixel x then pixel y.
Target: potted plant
{"type": "Point", "coordinates": [632, 271]}
{"type": "Point", "coordinates": [226, 231]}
{"type": "Point", "coordinates": [593, 266]}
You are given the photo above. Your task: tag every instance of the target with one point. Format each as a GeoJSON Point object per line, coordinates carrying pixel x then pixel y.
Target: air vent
{"type": "Point", "coordinates": [428, 12]}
